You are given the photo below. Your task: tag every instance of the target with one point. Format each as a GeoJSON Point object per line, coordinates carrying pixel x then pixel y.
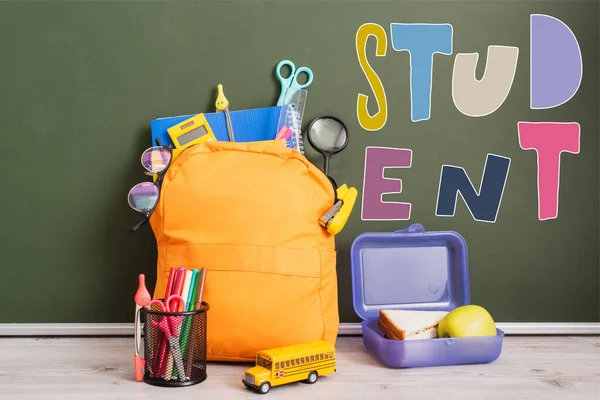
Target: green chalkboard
{"type": "Point", "coordinates": [81, 81]}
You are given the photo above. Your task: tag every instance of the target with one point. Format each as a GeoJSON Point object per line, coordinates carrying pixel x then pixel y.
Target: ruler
{"type": "Point", "coordinates": [292, 112]}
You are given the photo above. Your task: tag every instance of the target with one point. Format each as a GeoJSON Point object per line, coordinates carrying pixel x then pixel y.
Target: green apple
{"type": "Point", "coordinates": [469, 320]}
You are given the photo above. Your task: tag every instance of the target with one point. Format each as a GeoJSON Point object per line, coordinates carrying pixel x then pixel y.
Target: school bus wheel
{"type": "Point", "coordinates": [312, 377]}
{"type": "Point", "coordinates": [264, 387]}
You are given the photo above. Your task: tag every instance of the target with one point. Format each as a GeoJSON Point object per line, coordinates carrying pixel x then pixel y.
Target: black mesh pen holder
{"type": "Point", "coordinates": [174, 346]}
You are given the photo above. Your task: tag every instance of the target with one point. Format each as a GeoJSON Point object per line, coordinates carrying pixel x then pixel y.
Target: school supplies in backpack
{"type": "Point", "coordinates": [261, 218]}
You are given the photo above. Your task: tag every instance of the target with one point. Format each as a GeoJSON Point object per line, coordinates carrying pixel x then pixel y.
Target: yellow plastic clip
{"type": "Point", "coordinates": [336, 217]}
{"type": "Point", "coordinates": [222, 103]}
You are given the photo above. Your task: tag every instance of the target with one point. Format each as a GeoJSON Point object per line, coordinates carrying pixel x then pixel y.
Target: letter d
{"type": "Point", "coordinates": [556, 63]}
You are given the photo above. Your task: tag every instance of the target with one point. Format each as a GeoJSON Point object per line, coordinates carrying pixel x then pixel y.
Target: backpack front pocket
{"type": "Point", "coordinates": [259, 297]}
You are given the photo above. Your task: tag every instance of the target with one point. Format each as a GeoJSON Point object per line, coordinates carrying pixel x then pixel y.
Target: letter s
{"type": "Point", "coordinates": [366, 121]}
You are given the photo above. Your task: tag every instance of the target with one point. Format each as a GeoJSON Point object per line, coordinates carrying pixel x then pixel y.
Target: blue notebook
{"type": "Point", "coordinates": [248, 125]}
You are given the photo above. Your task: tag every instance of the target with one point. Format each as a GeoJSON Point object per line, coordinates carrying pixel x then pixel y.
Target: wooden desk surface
{"type": "Point", "coordinates": [529, 367]}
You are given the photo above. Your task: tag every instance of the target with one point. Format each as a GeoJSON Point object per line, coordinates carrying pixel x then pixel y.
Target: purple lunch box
{"type": "Point", "coordinates": [415, 270]}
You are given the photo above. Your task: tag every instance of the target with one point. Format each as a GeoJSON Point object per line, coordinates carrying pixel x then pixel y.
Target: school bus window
{"type": "Point", "coordinates": [277, 365]}
{"type": "Point", "coordinates": [326, 356]}
{"type": "Point", "coordinates": [297, 361]}
{"type": "Point", "coordinates": [287, 363]}
{"type": "Point", "coordinates": [263, 362]}
{"type": "Point", "coordinates": [302, 360]}
{"type": "Point", "coordinates": [331, 354]}
{"type": "Point", "coordinates": [321, 356]}
{"type": "Point", "coordinates": [312, 358]}
{"type": "Point", "coordinates": [292, 362]}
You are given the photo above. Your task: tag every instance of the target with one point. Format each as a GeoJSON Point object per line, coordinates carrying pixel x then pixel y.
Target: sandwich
{"type": "Point", "coordinates": [409, 324]}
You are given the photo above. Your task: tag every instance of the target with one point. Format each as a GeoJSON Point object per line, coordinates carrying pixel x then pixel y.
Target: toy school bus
{"type": "Point", "coordinates": [288, 364]}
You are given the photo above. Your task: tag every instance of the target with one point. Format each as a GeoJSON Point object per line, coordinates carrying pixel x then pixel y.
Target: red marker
{"type": "Point", "coordinates": [170, 282]}
{"type": "Point", "coordinates": [178, 287]}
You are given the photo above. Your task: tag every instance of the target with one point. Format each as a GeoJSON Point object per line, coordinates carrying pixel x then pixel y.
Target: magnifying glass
{"type": "Point", "coordinates": [328, 135]}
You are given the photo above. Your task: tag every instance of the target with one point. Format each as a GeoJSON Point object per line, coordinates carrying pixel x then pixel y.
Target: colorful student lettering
{"type": "Point", "coordinates": [375, 185]}
{"type": "Point", "coordinates": [478, 98]}
{"type": "Point", "coordinates": [556, 71]}
{"type": "Point", "coordinates": [422, 41]}
{"type": "Point", "coordinates": [556, 64]}
{"type": "Point", "coordinates": [366, 120]}
{"type": "Point", "coordinates": [549, 140]}
{"type": "Point", "coordinates": [484, 205]}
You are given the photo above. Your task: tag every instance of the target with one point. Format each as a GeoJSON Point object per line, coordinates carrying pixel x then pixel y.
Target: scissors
{"type": "Point", "coordinates": [290, 84]}
{"type": "Point", "coordinates": [170, 326]}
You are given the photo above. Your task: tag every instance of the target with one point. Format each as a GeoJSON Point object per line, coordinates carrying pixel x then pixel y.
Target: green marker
{"type": "Point", "coordinates": [191, 303]}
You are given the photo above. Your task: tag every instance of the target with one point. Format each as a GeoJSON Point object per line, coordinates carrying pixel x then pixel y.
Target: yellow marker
{"type": "Point", "coordinates": [222, 104]}
{"type": "Point", "coordinates": [192, 131]}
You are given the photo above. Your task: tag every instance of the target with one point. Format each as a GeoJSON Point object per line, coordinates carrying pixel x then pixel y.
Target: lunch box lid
{"type": "Point", "coordinates": [409, 269]}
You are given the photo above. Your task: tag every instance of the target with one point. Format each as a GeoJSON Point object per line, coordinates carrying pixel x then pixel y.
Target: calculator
{"type": "Point", "coordinates": [192, 131]}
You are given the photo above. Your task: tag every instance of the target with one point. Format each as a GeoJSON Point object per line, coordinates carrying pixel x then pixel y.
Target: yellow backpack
{"type": "Point", "coordinates": [248, 212]}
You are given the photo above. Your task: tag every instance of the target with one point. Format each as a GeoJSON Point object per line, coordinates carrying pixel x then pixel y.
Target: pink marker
{"type": "Point", "coordinates": [284, 133]}
{"type": "Point", "coordinates": [142, 299]}
{"type": "Point", "coordinates": [288, 133]}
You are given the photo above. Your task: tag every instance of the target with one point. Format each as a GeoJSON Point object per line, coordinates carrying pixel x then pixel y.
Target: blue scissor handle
{"type": "Point", "coordinates": [308, 72]}
{"type": "Point", "coordinates": [285, 82]}
{"type": "Point", "coordinates": [291, 82]}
